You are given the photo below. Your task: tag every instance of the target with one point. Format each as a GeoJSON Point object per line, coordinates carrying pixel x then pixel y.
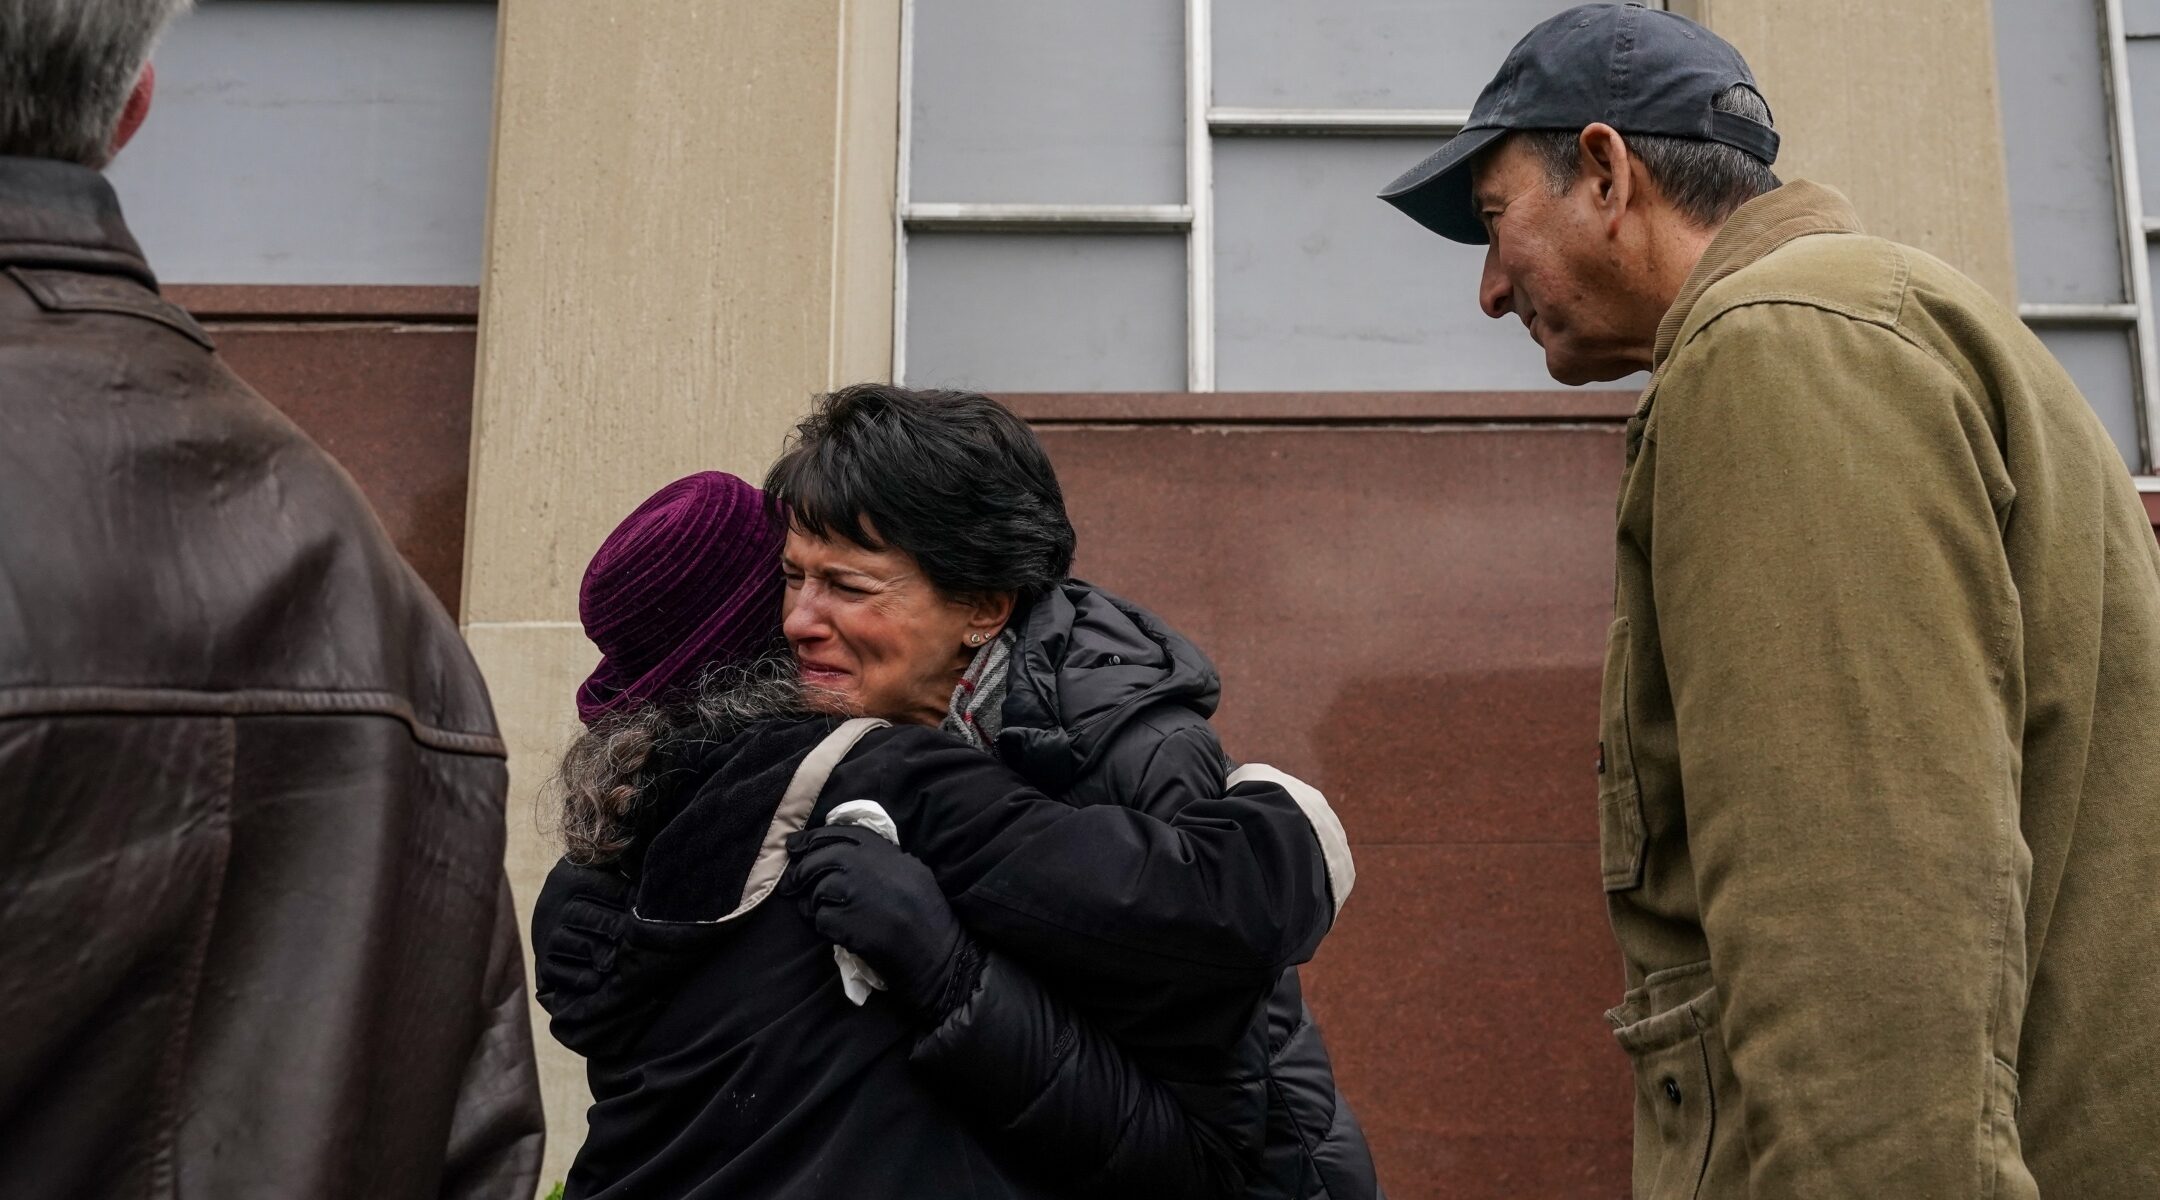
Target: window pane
{"type": "Point", "coordinates": [2099, 360]}
{"type": "Point", "coordinates": [1049, 103]}
{"type": "Point", "coordinates": [1367, 54]}
{"type": "Point", "coordinates": [294, 141]}
{"type": "Point", "coordinates": [1046, 312]}
{"type": "Point", "coordinates": [2055, 132]}
{"type": "Point", "coordinates": [2145, 107]}
{"type": "Point", "coordinates": [1319, 286]}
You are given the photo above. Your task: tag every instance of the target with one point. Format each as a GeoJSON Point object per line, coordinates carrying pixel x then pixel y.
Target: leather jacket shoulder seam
{"type": "Point", "coordinates": [63, 291]}
{"type": "Point", "coordinates": [21, 702]}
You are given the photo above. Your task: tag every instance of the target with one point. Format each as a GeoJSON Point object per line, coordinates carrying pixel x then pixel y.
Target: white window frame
{"type": "Point", "coordinates": [1195, 219]}
{"type": "Point", "coordinates": [2134, 232]}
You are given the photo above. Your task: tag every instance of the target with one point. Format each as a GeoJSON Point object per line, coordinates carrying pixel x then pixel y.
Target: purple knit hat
{"type": "Point", "coordinates": [688, 581]}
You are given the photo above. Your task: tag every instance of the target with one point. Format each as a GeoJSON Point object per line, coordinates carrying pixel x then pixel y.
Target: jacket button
{"type": "Point", "coordinates": [1672, 1090]}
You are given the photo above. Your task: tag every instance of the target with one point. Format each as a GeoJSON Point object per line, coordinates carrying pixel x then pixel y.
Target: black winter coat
{"type": "Point", "coordinates": [725, 1060]}
{"type": "Point", "coordinates": [1109, 706]}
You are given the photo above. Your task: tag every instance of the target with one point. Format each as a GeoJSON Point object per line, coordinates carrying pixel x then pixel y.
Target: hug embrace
{"type": "Point", "coordinates": [897, 862]}
{"type": "Point", "coordinates": [1070, 923]}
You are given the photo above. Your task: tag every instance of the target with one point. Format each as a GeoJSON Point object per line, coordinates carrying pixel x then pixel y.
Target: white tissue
{"type": "Point", "coordinates": [857, 979]}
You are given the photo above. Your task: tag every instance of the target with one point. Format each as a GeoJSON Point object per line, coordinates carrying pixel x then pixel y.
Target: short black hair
{"type": "Point", "coordinates": [952, 478]}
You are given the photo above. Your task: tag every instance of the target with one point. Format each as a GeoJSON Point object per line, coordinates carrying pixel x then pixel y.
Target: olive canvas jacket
{"type": "Point", "coordinates": [1879, 781]}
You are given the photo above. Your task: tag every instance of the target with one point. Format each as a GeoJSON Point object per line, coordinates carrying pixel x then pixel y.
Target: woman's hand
{"type": "Point", "coordinates": [873, 899]}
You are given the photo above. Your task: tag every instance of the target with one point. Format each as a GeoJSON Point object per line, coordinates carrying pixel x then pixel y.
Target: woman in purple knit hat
{"type": "Point", "coordinates": [726, 1052]}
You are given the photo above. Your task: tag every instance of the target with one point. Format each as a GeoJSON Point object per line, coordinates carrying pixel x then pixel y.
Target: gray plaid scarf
{"type": "Point", "coordinates": [977, 711]}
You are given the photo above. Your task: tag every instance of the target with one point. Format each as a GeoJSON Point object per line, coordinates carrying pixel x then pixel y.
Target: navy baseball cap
{"type": "Point", "coordinates": [1639, 70]}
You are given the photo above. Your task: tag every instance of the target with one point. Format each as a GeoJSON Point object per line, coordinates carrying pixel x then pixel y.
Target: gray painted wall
{"type": "Point", "coordinates": [1036, 312]}
{"type": "Point", "coordinates": [316, 142]}
{"type": "Point", "coordinates": [1038, 103]}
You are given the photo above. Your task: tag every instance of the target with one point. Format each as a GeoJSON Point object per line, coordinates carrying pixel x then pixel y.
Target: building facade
{"type": "Point", "coordinates": [519, 265]}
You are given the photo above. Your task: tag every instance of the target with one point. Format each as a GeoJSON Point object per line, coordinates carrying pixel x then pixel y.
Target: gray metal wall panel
{"type": "Point", "coordinates": [300, 142]}
{"type": "Point", "coordinates": [1046, 312]}
{"type": "Point", "coordinates": [2145, 107]}
{"type": "Point", "coordinates": [1039, 103]}
{"type": "Point", "coordinates": [1319, 286]}
{"type": "Point", "coordinates": [2055, 133]}
{"type": "Point", "coordinates": [2099, 360]}
{"type": "Point", "coordinates": [1371, 54]}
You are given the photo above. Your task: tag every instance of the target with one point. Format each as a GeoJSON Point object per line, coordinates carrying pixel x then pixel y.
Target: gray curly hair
{"type": "Point", "coordinates": [66, 68]}
{"type": "Point", "coordinates": [605, 771]}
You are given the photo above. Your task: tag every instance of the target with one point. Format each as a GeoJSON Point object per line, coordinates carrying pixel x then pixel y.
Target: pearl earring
{"type": "Point", "coordinates": [975, 639]}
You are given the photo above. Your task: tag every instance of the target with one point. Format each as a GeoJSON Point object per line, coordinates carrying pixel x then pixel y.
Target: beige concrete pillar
{"type": "Point", "coordinates": [1896, 105]}
{"type": "Point", "coordinates": [690, 235]}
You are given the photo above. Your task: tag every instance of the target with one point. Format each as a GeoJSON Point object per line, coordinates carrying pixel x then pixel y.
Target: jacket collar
{"type": "Point", "coordinates": [1088, 663]}
{"type": "Point", "coordinates": [60, 214]}
{"type": "Point", "coordinates": [1760, 226]}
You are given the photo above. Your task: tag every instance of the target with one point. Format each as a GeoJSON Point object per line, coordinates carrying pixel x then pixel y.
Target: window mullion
{"type": "Point", "coordinates": [2130, 204]}
{"type": "Point", "coordinates": [1336, 122]}
{"type": "Point", "coordinates": [900, 192]}
{"type": "Point", "coordinates": [1200, 197]}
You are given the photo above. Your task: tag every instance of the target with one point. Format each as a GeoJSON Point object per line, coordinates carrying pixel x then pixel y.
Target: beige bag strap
{"type": "Point", "coordinates": [795, 805]}
{"type": "Point", "coordinates": [794, 811]}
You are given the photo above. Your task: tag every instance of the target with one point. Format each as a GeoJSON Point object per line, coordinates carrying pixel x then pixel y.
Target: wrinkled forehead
{"type": "Point", "coordinates": [838, 552]}
{"type": "Point", "coordinates": [1499, 172]}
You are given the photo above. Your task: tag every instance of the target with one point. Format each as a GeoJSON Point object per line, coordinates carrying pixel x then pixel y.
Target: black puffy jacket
{"type": "Point", "coordinates": [1109, 706]}
{"type": "Point", "coordinates": [725, 1060]}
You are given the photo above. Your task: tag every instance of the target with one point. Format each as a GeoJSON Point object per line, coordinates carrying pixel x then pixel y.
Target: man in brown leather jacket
{"type": "Point", "coordinates": [256, 935]}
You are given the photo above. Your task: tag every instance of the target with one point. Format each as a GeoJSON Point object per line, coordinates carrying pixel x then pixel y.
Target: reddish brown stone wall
{"type": "Point", "coordinates": [1407, 596]}
{"type": "Point", "coordinates": [1412, 618]}
{"type": "Point", "coordinates": [382, 377]}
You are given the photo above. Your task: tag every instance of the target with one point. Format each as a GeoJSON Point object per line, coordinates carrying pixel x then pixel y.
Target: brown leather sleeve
{"type": "Point", "coordinates": [497, 1133]}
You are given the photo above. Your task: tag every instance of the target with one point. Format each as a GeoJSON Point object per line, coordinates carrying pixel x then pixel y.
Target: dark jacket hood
{"type": "Point", "coordinates": [1087, 664]}
{"type": "Point", "coordinates": [611, 942]}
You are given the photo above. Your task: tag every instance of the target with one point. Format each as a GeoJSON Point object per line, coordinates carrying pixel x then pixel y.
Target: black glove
{"type": "Point", "coordinates": [870, 897]}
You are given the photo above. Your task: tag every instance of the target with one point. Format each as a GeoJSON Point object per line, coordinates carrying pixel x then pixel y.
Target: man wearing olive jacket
{"type": "Point", "coordinates": [1878, 784]}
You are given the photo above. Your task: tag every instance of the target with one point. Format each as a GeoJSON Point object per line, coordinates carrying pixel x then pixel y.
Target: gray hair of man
{"type": "Point", "coordinates": [1706, 181]}
{"type": "Point", "coordinates": [66, 69]}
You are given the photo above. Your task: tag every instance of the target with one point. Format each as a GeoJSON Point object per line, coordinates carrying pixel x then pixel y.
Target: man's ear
{"type": "Point", "coordinates": [138, 107]}
{"type": "Point", "coordinates": [1608, 165]}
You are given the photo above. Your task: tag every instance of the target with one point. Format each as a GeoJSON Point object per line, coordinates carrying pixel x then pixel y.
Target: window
{"type": "Point", "coordinates": [2074, 78]}
{"type": "Point", "coordinates": [316, 142]}
{"type": "Point", "coordinates": [1124, 196]}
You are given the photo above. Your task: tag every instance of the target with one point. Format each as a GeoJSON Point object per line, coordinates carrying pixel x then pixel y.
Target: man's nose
{"type": "Point", "coordinates": [1494, 294]}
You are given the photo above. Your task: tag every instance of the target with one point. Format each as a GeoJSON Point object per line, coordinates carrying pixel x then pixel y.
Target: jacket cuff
{"type": "Point", "coordinates": [1334, 843]}
{"type": "Point", "coordinates": [960, 983]}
